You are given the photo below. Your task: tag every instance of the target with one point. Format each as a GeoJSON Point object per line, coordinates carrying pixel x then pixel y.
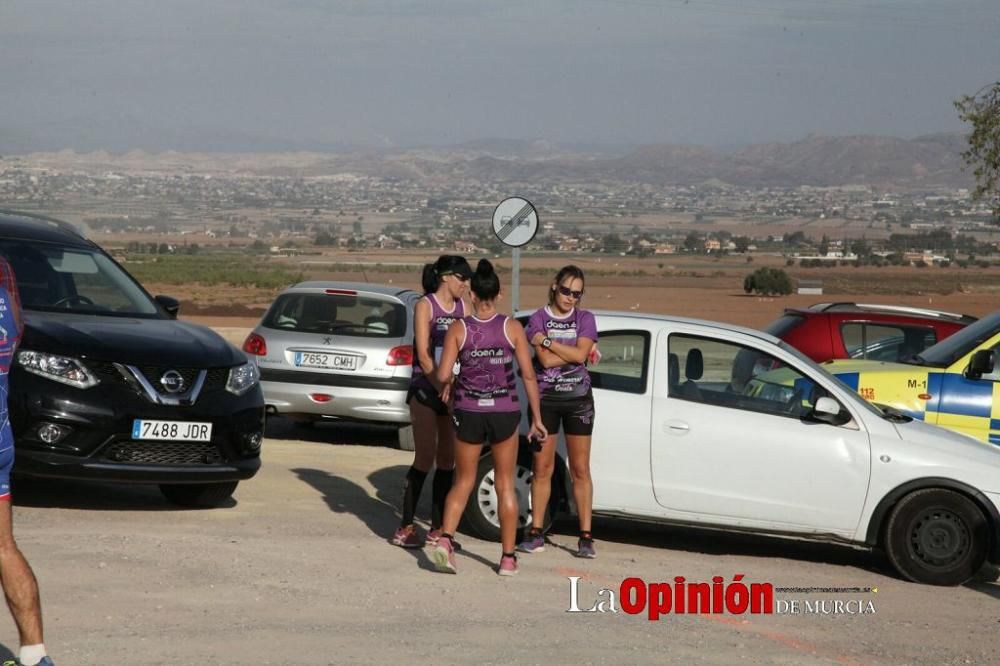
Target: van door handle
{"type": "Point", "coordinates": [676, 427]}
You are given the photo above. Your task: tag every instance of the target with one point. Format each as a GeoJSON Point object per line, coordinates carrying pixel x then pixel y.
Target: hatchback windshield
{"type": "Point", "coordinates": [338, 314]}
{"type": "Point", "coordinates": [58, 279]}
{"type": "Point", "coordinates": [961, 343]}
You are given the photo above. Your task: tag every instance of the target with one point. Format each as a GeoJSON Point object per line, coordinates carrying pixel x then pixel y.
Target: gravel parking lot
{"type": "Point", "coordinates": [298, 570]}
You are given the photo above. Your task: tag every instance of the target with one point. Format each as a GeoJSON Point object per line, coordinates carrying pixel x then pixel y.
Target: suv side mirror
{"type": "Point", "coordinates": [827, 410]}
{"type": "Point", "coordinates": [170, 304]}
{"type": "Point", "coordinates": [981, 364]}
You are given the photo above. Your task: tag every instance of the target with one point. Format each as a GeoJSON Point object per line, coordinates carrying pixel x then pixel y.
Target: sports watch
{"type": "Point", "coordinates": [546, 342]}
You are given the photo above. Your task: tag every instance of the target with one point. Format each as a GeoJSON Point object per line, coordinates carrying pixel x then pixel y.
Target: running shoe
{"type": "Point", "coordinates": [46, 661]}
{"type": "Point", "coordinates": [444, 555]}
{"type": "Point", "coordinates": [435, 534]}
{"type": "Point", "coordinates": [508, 565]}
{"type": "Point", "coordinates": [534, 542]}
{"type": "Point", "coordinates": [407, 537]}
{"type": "Point", "coordinates": [585, 548]}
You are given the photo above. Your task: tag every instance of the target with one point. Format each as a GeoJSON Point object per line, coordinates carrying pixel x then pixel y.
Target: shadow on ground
{"type": "Point", "coordinates": [712, 542]}
{"type": "Point", "coordinates": [94, 495]}
{"type": "Point", "coordinates": [332, 432]}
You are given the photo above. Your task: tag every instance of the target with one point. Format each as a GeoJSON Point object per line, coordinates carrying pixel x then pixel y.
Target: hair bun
{"type": "Point", "coordinates": [484, 267]}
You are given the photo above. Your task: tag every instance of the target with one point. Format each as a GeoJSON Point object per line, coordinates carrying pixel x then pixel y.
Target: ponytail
{"type": "Point", "coordinates": [485, 282]}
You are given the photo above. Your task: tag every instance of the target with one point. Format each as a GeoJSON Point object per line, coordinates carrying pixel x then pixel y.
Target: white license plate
{"type": "Point", "coordinates": [327, 361]}
{"type": "Point", "coordinates": [177, 431]}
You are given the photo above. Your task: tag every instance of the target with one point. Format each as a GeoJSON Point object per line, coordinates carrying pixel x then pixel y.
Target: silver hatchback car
{"type": "Point", "coordinates": [338, 350]}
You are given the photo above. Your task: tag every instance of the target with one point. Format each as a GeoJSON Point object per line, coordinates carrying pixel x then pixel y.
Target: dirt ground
{"type": "Point", "coordinates": [298, 571]}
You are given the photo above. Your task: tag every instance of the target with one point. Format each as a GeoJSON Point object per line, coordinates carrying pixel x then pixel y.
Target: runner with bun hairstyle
{"type": "Point", "coordinates": [563, 336]}
{"type": "Point", "coordinates": [445, 283]}
{"type": "Point", "coordinates": [486, 410]}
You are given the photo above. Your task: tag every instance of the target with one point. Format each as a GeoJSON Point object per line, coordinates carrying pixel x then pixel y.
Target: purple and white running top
{"type": "Point", "coordinates": [485, 382]}
{"type": "Point", "coordinates": [441, 319]}
{"type": "Point", "coordinates": [572, 379]}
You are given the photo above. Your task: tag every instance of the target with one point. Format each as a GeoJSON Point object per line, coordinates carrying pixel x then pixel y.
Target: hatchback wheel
{"type": "Point", "coordinates": [482, 513]}
{"type": "Point", "coordinates": [200, 495]}
{"type": "Point", "coordinates": [405, 435]}
{"type": "Point", "coordinates": [937, 537]}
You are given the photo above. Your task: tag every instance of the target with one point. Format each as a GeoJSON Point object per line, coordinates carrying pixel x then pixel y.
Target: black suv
{"type": "Point", "coordinates": [108, 385]}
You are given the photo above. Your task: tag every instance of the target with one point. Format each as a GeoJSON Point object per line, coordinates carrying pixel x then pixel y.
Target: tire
{"type": "Point", "coordinates": [199, 495]}
{"type": "Point", "coordinates": [406, 442]}
{"type": "Point", "coordinates": [937, 537]}
{"type": "Point", "coordinates": [481, 518]}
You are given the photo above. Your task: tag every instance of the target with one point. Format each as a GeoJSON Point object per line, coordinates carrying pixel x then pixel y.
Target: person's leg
{"type": "Point", "coordinates": [444, 472]}
{"type": "Point", "coordinates": [504, 464]}
{"type": "Point", "coordinates": [578, 447]}
{"type": "Point", "coordinates": [542, 469]}
{"type": "Point", "coordinates": [19, 585]}
{"type": "Point", "coordinates": [466, 463]}
{"type": "Point", "coordinates": [424, 422]}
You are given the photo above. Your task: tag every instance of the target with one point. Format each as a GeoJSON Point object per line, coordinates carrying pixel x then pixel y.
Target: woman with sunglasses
{"type": "Point", "coordinates": [563, 336]}
{"type": "Point", "coordinates": [445, 283]}
{"type": "Point", "coordinates": [486, 411]}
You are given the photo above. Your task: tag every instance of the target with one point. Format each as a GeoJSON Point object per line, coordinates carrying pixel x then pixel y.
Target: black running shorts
{"type": "Point", "coordinates": [485, 427]}
{"type": "Point", "coordinates": [574, 415]}
{"type": "Point", "coordinates": [427, 397]}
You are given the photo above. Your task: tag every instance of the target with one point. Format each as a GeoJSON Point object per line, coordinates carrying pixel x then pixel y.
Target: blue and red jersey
{"type": "Point", "coordinates": [11, 328]}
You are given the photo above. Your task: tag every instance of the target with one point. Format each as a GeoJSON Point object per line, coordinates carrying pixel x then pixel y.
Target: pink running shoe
{"type": "Point", "coordinates": [407, 537]}
{"type": "Point", "coordinates": [444, 555]}
{"type": "Point", "coordinates": [433, 536]}
{"type": "Point", "coordinates": [508, 565]}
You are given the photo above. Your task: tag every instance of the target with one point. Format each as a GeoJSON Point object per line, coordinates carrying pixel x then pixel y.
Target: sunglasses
{"type": "Point", "coordinates": [461, 278]}
{"type": "Point", "coordinates": [566, 291]}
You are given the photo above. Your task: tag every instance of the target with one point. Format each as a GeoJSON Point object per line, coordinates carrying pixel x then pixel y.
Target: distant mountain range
{"type": "Point", "coordinates": [822, 161]}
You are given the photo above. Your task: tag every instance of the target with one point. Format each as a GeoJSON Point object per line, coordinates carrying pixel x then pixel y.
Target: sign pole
{"type": "Point", "coordinates": [515, 297]}
{"type": "Point", "coordinates": [515, 223]}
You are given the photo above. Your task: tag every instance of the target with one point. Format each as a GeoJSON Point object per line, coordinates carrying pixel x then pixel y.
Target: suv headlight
{"type": "Point", "coordinates": [63, 369]}
{"type": "Point", "coordinates": [242, 378]}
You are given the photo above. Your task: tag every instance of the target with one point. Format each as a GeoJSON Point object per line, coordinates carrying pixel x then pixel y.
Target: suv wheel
{"type": "Point", "coordinates": [937, 537]}
{"type": "Point", "coordinates": [482, 517]}
{"type": "Point", "coordinates": [200, 495]}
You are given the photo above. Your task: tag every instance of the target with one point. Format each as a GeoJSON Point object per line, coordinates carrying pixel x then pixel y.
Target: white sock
{"type": "Point", "coordinates": [30, 655]}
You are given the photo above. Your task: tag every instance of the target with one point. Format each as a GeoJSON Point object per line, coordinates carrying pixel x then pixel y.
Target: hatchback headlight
{"type": "Point", "coordinates": [63, 369]}
{"type": "Point", "coordinates": [242, 378]}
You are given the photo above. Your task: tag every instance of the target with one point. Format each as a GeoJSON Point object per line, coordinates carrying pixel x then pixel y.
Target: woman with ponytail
{"type": "Point", "coordinates": [486, 410]}
{"type": "Point", "coordinates": [444, 282]}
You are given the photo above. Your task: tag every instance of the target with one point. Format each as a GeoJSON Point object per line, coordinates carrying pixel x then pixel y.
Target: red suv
{"type": "Point", "coordinates": [856, 330]}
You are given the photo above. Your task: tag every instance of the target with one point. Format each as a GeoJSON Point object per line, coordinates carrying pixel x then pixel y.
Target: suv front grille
{"type": "Point", "coordinates": [162, 453]}
{"type": "Point", "coordinates": [111, 373]}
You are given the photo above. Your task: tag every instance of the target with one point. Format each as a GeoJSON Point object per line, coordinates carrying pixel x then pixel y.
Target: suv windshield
{"type": "Point", "coordinates": [339, 314]}
{"type": "Point", "coordinates": [51, 278]}
{"type": "Point", "coordinates": [961, 343]}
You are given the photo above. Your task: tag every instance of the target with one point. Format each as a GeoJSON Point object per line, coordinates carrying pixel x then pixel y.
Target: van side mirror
{"type": "Point", "coordinates": [982, 363]}
{"type": "Point", "coordinates": [827, 410]}
{"type": "Point", "coordinates": [171, 305]}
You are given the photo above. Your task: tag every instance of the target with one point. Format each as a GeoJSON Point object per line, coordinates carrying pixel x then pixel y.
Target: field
{"type": "Point", "coordinates": [704, 287]}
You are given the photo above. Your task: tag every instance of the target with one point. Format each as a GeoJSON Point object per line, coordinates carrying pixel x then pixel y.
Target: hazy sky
{"type": "Point", "coordinates": [157, 74]}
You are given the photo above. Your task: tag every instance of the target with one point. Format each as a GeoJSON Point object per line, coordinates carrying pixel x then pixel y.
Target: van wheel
{"type": "Point", "coordinates": [482, 513]}
{"type": "Point", "coordinates": [406, 442]}
{"type": "Point", "coordinates": [199, 495]}
{"type": "Point", "coordinates": [937, 537]}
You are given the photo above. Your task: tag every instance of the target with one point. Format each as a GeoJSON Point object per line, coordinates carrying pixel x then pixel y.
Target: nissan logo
{"type": "Point", "coordinates": [172, 381]}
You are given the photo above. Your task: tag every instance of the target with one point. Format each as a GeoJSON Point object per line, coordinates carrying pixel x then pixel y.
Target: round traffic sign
{"type": "Point", "coordinates": [515, 221]}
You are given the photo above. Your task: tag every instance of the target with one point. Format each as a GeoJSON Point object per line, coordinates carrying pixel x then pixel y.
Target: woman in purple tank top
{"type": "Point", "coordinates": [564, 337]}
{"type": "Point", "coordinates": [445, 283]}
{"type": "Point", "coordinates": [486, 410]}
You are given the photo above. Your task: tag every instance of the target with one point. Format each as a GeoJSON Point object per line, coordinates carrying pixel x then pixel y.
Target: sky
{"type": "Point", "coordinates": [322, 74]}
